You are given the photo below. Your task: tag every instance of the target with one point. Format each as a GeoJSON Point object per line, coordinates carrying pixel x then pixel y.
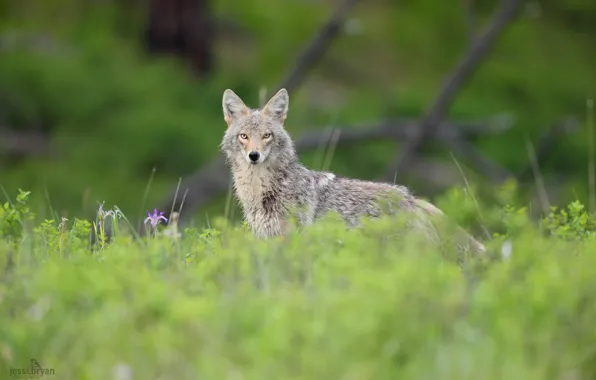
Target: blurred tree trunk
{"type": "Point", "coordinates": [182, 28]}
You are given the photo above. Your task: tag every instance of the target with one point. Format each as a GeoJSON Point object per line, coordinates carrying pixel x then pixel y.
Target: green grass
{"type": "Point", "coordinates": [323, 303]}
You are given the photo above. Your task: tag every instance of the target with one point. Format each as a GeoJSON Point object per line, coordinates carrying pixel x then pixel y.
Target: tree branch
{"type": "Point", "coordinates": [22, 143]}
{"type": "Point", "coordinates": [455, 82]}
{"type": "Point", "coordinates": [317, 47]}
{"type": "Point", "coordinates": [468, 8]}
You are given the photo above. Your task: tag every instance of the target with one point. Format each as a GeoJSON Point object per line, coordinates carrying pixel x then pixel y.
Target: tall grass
{"type": "Point", "coordinates": [324, 303]}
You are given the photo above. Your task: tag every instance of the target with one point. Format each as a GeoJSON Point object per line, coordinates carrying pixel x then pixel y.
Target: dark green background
{"type": "Point", "coordinates": [116, 112]}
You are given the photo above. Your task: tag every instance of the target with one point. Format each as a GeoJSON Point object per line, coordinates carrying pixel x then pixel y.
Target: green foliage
{"type": "Point", "coordinates": [324, 302]}
{"type": "Point", "coordinates": [504, 215]}
{"type": "Point", "coordinates": [62, 239]}
{"type": "Point", "coordinates": [14, 217]}
{"type": "Point", "coordinates": [575, 223]}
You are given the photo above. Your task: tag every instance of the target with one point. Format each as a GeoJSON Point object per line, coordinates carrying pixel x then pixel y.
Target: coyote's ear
{"type": "Point", "coordinates": [277, 106]}
{"type": "Point", "coordinates": [233, 106]}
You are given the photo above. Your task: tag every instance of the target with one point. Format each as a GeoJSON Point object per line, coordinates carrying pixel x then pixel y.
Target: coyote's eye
{"type": "Point", "coordinates": [266, 135]}
{"type": "Point", "coordinates": [243, 136]}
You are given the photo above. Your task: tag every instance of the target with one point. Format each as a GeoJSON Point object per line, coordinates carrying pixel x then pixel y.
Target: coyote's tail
{"type": "Point", "coordinates": [431, 209]}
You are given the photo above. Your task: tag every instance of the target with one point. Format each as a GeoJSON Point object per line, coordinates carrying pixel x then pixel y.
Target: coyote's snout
{"type": "Point", "coordinates": [256, 145]}
{"type": "Point", "coordinates": [269, 179]}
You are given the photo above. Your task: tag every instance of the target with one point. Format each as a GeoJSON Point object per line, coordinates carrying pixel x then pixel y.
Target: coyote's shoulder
{"type": "Point", "coordinates": [269, 179]}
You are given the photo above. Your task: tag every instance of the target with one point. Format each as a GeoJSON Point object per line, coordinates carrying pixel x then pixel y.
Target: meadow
{"type": "Point", "coordinates": [322, 303]}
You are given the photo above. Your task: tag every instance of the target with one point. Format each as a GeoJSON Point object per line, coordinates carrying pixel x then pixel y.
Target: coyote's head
{"type": "Point", "coordinates": [256, 136]}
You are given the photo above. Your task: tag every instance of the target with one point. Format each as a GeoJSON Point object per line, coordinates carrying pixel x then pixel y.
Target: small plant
{"type": "Point", "coordinates": [14, 217]}
{"type": "Point", "coordinates": [515, 219]}
{"type": "Point", "coordinates": [105, 225]}
{"type": "Point", "coordinates": [52, 236]}
{"type": "Point", "coordinates": [574, 223]}
{"type": "Point", "coordinates": [154, 220]}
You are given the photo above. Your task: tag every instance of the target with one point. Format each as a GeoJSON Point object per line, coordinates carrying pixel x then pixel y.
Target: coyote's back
{"type": "Point", "coordinates": [269, 180]}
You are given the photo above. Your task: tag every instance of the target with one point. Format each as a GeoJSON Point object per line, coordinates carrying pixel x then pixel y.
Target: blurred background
{"type": "Point", "coordinates": [99, 99]}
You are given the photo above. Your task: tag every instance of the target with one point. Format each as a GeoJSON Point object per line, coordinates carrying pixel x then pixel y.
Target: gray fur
{"type": "Point", "coordinates": [269, 189]}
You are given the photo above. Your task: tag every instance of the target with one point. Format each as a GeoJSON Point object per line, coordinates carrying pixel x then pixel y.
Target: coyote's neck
{"type": "Point", "coordinates": [262, 192]}
{"type": "Point", "coordinates": [253, 182]}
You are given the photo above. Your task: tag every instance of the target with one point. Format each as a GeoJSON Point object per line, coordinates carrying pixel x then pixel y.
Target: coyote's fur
{"type": "Point", "coordinates": [269, 179]}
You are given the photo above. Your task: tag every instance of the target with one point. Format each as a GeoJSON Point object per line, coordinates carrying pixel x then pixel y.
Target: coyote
{"type": "Point", "coordinates": [269, 180]}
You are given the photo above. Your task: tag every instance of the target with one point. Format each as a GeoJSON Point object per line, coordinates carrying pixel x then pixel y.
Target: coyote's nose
{"type": "Point", "coordinates": [254, 156]}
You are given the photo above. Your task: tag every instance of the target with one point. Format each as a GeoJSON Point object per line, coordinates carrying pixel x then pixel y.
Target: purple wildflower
{"type": "Point", "coordinates": [154, 219]}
